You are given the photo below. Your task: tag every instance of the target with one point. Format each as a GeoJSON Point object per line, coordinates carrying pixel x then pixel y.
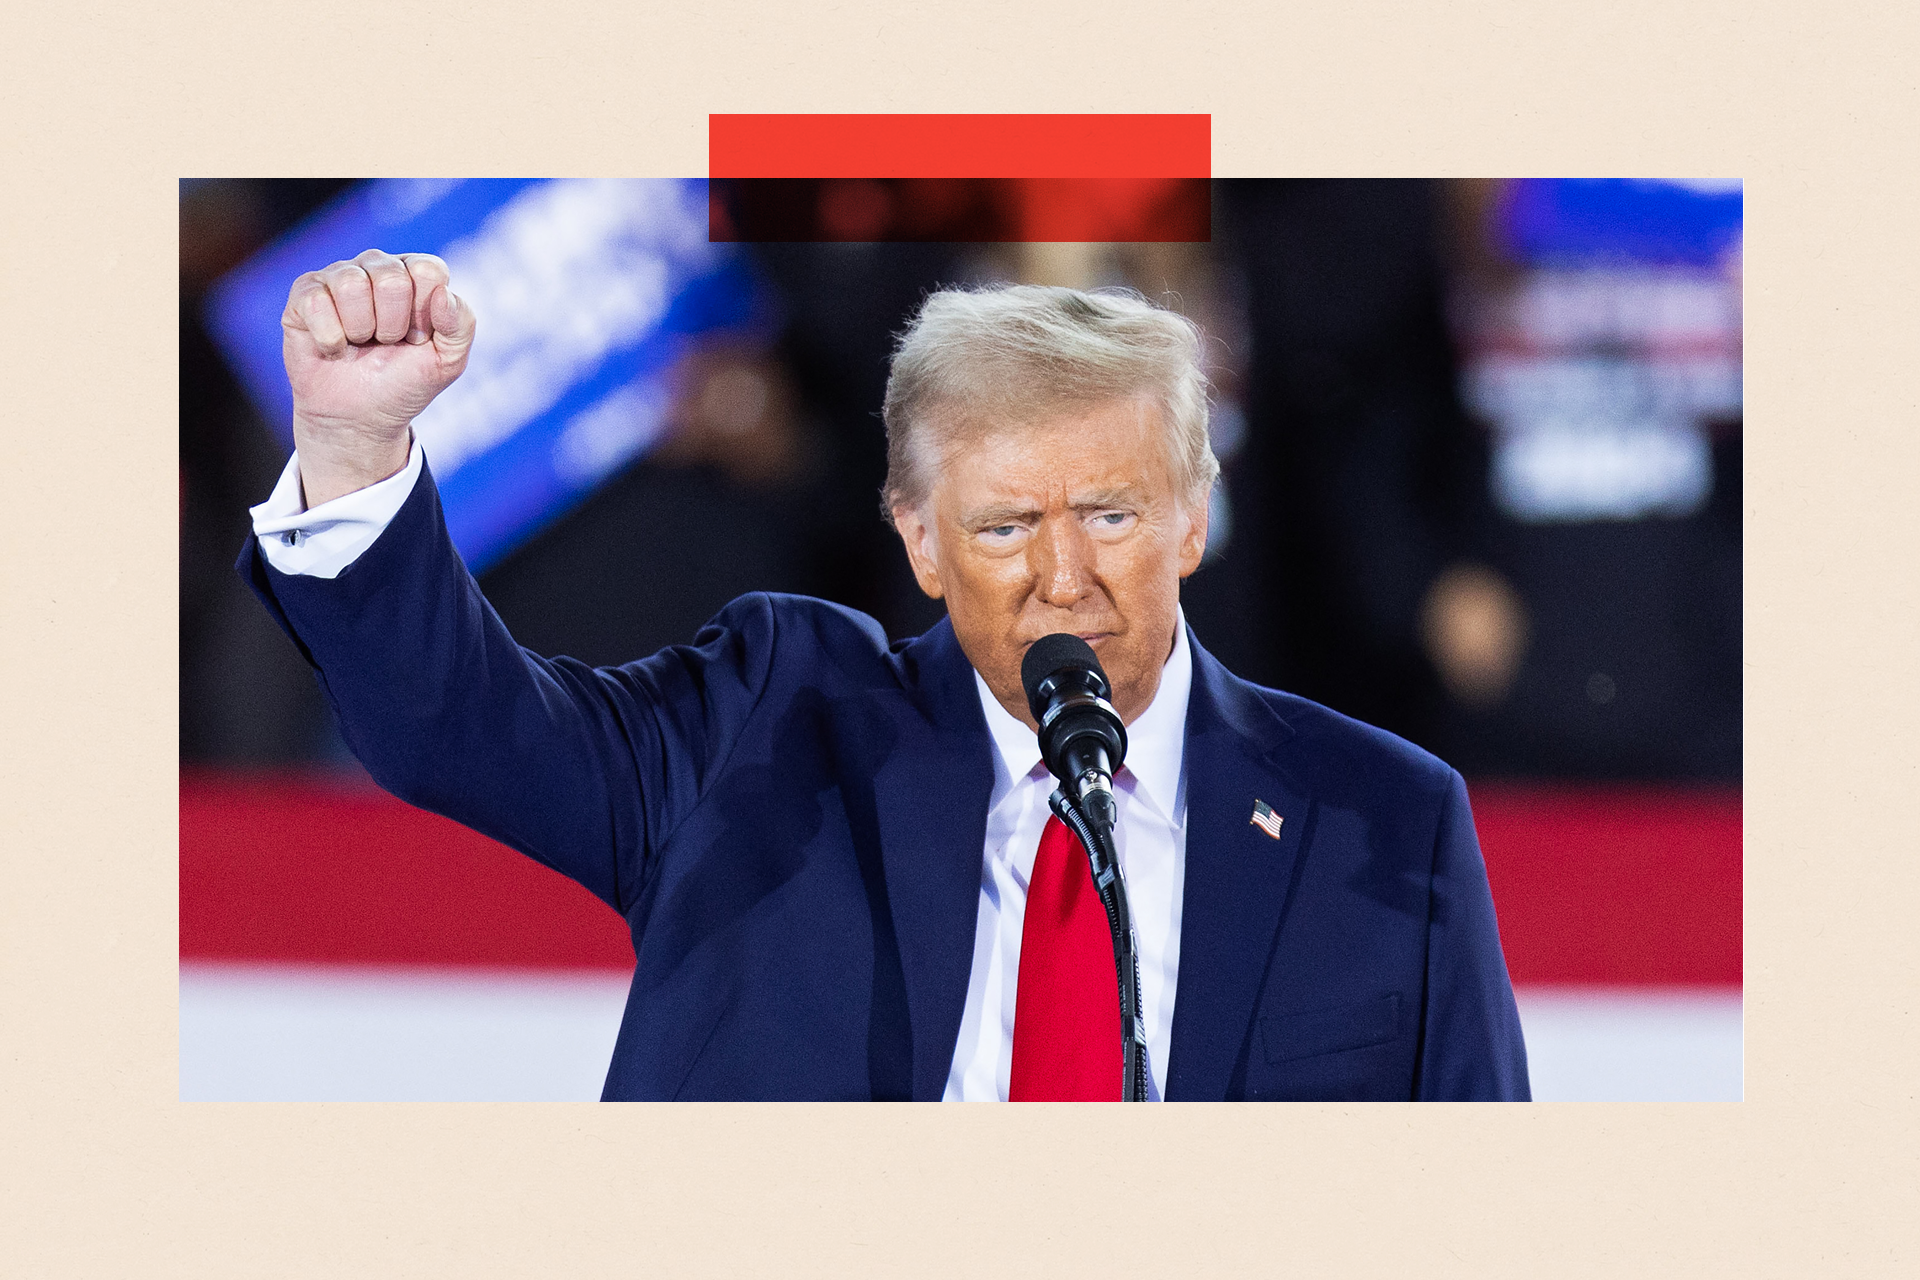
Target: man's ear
{"type": "Point", "coordinates": [917, 535]}
{"type": "Point", "coordinates": [1193, 542]}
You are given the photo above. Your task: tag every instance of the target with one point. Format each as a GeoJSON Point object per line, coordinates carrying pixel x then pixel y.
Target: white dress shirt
{"type": "Point", "coordinates": [1151, 837]}
{"type": "Point", "coordinates": [1150, 793]}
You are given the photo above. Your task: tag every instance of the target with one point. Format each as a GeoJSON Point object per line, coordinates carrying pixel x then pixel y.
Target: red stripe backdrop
{"type": "Point", "coordinates": [1629, 885]}
{"type": "Point", "coordinates": [311, 870]}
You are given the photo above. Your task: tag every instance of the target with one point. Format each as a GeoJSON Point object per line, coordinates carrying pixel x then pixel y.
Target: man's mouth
{"type": "Point", "coordinates": [1093, 638]}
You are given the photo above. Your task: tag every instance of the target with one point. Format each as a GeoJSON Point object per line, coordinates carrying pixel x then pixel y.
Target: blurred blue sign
{"type": "Point", "coordinates": [1606, 365]}
{"type": "Point", "coordinates": [587, 292]}
{"type": "Point", "coordinates": [1567, 219]}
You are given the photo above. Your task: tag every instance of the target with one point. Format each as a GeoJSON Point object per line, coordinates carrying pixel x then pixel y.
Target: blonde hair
{"type": "Point", "coordinates": [1008, 353]}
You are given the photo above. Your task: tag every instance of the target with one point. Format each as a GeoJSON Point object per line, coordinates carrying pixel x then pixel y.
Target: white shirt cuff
{"type": "Point", "coordinates": [319, 543]}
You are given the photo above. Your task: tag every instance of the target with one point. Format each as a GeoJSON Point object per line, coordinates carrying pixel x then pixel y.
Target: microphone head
{"type": "Point", "coordinates": [1081, 736]}
{"type": "Point", "coordinates": [1050, 655]}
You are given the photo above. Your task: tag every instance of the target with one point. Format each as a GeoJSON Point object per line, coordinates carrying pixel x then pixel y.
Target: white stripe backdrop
{"type": "Point", "coordinates": [324, 1033]}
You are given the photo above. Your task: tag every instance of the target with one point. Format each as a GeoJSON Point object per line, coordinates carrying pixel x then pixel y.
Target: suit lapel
{"type": "Point", "coordinates": [931, 795]}
{"type": "Point", "coordinates": [1237, 876]}
{"type": "Point", "coordinates": [931, 800]}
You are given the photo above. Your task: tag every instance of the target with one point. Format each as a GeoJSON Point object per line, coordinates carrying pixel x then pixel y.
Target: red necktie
{"type": "Point", "coordinates": [1066, 1019]}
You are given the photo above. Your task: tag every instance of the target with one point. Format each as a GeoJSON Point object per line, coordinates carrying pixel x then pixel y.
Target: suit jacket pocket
{"type": "Point", "coordinates": [1312, 1033]}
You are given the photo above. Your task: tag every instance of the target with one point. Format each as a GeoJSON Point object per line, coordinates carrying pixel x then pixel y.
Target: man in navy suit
{"type": "Point", "coordinates": [833, 853]}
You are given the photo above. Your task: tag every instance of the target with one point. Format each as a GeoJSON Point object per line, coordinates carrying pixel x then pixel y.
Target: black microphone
{"type": "Point", "coordinates": [1081, 737]}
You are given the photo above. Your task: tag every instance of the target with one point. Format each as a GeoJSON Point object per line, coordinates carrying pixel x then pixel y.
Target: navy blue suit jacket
{"type": "Point", "coordinates": [790, 815]}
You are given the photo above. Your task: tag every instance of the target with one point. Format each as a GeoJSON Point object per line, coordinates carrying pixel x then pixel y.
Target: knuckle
{"type": "Point", "coordinates": [350, 281]}
{"type": "Point", "coordinates": [426, 266]}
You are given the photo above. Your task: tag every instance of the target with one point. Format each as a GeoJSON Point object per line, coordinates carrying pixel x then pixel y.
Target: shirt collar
{"type": "Point", "coordinates": [1156, 742]}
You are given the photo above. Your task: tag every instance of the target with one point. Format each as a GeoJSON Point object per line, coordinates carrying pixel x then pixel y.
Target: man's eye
{"type": "Point", "coordinates": [1006, 533]}
{"type": "Point", "coordinates": [1113, 519]}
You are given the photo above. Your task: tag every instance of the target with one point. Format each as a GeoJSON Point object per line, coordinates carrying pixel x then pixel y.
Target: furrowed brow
{"type": "Point", "coordinates": [1120, 496]}
{"type": "Point", "coordinates": [997, 514]}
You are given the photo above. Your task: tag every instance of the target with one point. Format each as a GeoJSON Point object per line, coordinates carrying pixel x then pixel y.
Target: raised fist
{"type": "Point", "coordinates": [368, 345]}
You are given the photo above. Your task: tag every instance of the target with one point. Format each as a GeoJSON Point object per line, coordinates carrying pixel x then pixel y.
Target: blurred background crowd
{"type": "Point", "coordinates": [1480, 439]}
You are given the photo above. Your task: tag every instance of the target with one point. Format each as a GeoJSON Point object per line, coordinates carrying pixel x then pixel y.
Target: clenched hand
{"type": "Point", "coordinates": [368, 345]}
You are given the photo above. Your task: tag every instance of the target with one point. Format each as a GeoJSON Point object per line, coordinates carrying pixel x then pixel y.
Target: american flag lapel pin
{"type": "Point", "coordinates": [1266, 819]}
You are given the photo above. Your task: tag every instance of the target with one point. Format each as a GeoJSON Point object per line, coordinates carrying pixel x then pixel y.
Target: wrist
{"type": "Point", "coordinates": [338, 459]}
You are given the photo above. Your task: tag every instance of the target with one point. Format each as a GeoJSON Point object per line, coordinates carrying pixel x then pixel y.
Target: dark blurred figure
{"type": "Point", "coordinates": [1380, 575]}
{"type": "Point", "coordinates": [1601, 370]}
{"type": "Point", "coordinates": [246, 697]}
{"type": "Point", "coordinates": [774, 463]}
{"type": "Point", "coordinates": [1346, 496]}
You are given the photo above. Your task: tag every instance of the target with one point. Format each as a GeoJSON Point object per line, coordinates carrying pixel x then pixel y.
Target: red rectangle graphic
{"type": "Point", "coordinates": [960, 146]}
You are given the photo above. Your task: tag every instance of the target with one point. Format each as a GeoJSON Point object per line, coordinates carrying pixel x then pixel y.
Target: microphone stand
{"type": "Point", "coordinates": [1104, 860]}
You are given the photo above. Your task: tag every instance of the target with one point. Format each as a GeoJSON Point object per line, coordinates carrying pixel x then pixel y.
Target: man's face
{"type": "Point", "coordinates": [1072, 523]}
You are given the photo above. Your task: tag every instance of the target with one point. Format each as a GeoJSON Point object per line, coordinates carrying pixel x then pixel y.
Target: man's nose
{"type": "Point", "coordinates": [1062, 563]}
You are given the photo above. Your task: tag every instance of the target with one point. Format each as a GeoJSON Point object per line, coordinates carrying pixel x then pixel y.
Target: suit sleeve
{"type": "Point", "coordinates": [1471, 1048]}
{"type": "Point", "coordinates": [584, 769]}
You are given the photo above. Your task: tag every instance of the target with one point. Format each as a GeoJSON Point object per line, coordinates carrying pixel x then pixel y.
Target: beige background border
{"type": "Point", "coordinates": [104, 1173]}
